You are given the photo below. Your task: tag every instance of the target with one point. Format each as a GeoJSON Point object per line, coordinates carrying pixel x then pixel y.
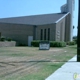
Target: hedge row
{"type": "Point", "coordinates": [35, 43]}
{"type": "Point", "coordinates": [5, 39]}
{"type": "Point", "coordinates": [57, 44]}
{"type": "Point", "coordinates": [52, 44]}
{"type": "Point", "coordinates": [71, 43]}
{"type": "Point", "coordinates": [75, 40]}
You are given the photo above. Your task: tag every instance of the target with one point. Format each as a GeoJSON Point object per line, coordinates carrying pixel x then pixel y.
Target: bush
{"type": "Point", "coordinates": [21, 44]}
{"type": "Point", "coordinates": [57, 44]}
{"type": "Point", "coordinates": [52, 44]}
{"type": "Point", "coordinates": [2, 39]}
{"type": "Point", "coordinates": [71, 43]}
{"type": "Point", "coordinates": [9, 39]}
{"type": "Point", "coordinates": [75, 40]}
{"type": "Point", "coordinates": [35, 43]}
{"type": "Point", "coordinates": [5, 39]}
{"type": "Point", "coordinates": [74, 37]}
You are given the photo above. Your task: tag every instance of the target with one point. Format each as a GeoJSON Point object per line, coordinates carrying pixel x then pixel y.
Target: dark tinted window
{"type": "Point", "coordinates": [41, 35]}
{"type": "Point", "coordinates": [44, 34]}
{"type": "Point", "coordinates": [48, 33]}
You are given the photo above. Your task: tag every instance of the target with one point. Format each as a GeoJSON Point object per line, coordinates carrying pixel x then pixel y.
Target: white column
{"type": "Point", "coordinates": [70, 8]}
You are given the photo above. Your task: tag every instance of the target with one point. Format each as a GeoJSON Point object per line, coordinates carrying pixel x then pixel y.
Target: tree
{"type": "Point", "coordinates": [73, 27]}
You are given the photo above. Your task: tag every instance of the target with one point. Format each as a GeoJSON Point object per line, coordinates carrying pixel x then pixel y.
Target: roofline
{"type": "Point", "coordinates": [62, 17]}
{"type": "Point", "coordinates": [28, 16]}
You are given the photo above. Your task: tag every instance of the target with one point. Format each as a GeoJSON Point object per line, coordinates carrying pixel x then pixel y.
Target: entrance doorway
{"type": "Point", "coordinates": [30, 39]}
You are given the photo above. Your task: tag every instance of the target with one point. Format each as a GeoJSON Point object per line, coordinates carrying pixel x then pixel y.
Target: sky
{"type": "Point", "coordinates": [15, 8]}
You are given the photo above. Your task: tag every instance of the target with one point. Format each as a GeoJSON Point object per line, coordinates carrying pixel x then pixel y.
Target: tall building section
{"type": "Point", "coordinates": [69, 7]}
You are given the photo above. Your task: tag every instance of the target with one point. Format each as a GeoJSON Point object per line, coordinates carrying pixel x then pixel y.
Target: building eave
{"type": "Point", "coordinates": [62, 17]}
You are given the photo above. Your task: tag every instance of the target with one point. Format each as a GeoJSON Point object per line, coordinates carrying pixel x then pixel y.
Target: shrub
{"type": "Point", "coordinates": [62, 44]}
{"type": "Point", "coordinates": [74, 37]}
{"type": "Point", "coordinates": [52, 44]}
{"type": "Point", "coordinates": [75, 40]}
{"type": "Point", "coordinates": [71, 43]}
{"type": "Point", "coordinates": [35, 43]}
{"type": "Point", "coordinates": [21, 44]}
{"type": "Point", "coordinates": [57, 44]}
{"type": "Point", "coordinates": [2, 39]}
{"type": "Point", "coordinates": [9, 39]}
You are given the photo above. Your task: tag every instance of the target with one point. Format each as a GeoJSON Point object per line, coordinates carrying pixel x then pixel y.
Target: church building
{"type": "Point", "coordinates": [52, 27]}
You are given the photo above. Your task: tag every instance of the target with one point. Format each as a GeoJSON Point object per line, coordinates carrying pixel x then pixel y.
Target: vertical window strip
{"type": "Point", "coordinates": [41, 34]}
{"type": "Point", "coordinates": [48, 33]}
{"type": "Point", "coordinates": [44, 34]}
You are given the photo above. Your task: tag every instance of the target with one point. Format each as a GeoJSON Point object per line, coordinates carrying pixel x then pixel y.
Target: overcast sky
{"type": "Point", "coordinates": [13, 8]}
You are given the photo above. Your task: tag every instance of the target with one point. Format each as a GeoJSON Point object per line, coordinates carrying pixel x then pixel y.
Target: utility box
{"type": "Point", "coordinates": [44, 45]}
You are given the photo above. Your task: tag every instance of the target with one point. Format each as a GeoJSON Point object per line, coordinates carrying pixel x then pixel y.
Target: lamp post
{"type": "Point", "coordinates": [78, 36]}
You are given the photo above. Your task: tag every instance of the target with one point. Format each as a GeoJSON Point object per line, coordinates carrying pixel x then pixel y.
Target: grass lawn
{"type": "Point", "coordinates": [29, 63]}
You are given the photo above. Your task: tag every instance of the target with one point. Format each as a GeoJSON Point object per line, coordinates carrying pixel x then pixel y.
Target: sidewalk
{"type": "Point", "coordinates": [67, 71]}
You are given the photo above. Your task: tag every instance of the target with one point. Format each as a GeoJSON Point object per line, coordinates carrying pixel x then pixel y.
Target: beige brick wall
{"type": "Point", "coordinates": [17, 32]}
{"type": "Point", "coordinates": [8, 44]}
{"type": "Point", "coordinates": [67, 28]}
{"type": "Point", "coordinates": [52, 31]}
{"type": "Point", "coordinates": [60, 30]}
{"type": "Point", "coordinates": [20, 32]}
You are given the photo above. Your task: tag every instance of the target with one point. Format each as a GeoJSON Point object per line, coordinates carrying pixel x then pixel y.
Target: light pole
{"type": "Point", "coordinates": [78, 36]}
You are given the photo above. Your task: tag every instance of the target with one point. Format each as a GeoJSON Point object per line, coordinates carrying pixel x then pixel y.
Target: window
{"type": "Point", "coordinates": [48, 33]}
{"type": "Point", "coordinates": [44, 34]}
{"type": "Point", "coordinates": [61, 31]}
{"type": "Point", "coordinates": [41, 34]}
